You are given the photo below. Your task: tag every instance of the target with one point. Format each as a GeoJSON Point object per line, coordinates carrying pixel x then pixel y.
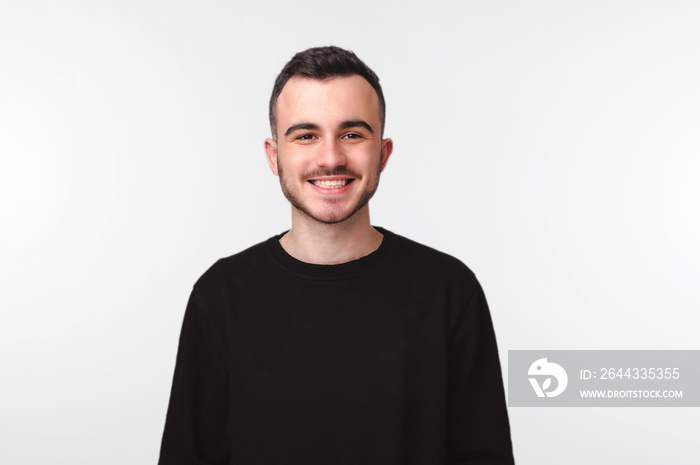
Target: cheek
{"type": "Point", "coordinates": [364, 155]}
{"type": "Point", "coordinates": [289, 162]}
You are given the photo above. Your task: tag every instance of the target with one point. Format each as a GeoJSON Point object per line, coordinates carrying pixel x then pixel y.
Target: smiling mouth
{"type": "Point", "coordinates": [331, 184]}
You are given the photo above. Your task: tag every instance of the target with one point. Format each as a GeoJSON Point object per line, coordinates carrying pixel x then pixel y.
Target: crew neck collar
{"type": "Point", "coordinates": [340, 270]}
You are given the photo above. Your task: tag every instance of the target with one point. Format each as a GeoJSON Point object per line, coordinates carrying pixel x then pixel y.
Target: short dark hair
{"type": "Point", "coordinates": [325, 63]}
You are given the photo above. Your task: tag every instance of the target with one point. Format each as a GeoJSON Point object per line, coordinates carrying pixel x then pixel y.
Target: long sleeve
{"type": "Point", "coordinates": [478, 431]}
{"type": "Point", "coordinates": [196, 430]}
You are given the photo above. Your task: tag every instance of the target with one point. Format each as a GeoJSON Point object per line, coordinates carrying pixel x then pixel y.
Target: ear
{"type": "Point", "coordinates": [387, 148]}
{"type": "Point", "coordinates": [271, 151]}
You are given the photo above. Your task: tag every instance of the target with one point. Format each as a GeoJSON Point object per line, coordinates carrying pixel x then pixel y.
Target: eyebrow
{"type": "Point", "coordinates": [305, 126]}
{"type": "Point", "coordinates": [344, 125]}
{"type": "Point", "coordinates": [356, 123]}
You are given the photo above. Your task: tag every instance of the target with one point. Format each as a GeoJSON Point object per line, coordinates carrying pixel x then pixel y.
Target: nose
{"type": "Point", "coordinates": [330, 154]}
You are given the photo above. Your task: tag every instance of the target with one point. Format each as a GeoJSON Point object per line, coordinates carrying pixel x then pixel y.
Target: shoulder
{"type": "Point", "coordinates": [430, 261]}
{"type": "Point", "coordinates": [231, 267]}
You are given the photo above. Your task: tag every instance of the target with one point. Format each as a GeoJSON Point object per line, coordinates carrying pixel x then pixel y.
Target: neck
{"type": "Point", "coordinates": [329, 244]}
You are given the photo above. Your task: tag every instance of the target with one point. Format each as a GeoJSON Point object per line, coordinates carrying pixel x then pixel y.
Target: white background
{"type": "Point", "coordinates": [552, 146]}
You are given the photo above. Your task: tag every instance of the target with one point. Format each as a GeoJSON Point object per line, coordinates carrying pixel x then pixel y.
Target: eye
{"type": "Point", "coordinates": [352, 135]}
{"type": "Point", "coordinates": [305, 137]}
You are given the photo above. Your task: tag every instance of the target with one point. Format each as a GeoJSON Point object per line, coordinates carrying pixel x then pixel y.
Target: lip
{"type": "Point", "coordinates": [331, 191]}
{"type": "Point", "coordinates": [330, 178]}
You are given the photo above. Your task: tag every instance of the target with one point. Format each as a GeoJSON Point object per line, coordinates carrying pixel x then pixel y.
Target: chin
{"type": "Point", "coordinates": [330, 217]}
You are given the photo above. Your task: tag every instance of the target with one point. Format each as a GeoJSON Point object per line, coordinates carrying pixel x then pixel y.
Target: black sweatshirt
{"type": "Point", "coordinates": [388, 359]}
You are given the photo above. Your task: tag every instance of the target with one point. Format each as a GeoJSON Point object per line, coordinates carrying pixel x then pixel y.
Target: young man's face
{"type": "Point", "coordinates": [329, 152]}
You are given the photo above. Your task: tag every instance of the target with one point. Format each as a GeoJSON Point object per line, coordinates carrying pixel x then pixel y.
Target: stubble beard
{"type": "Point", "coordinates": [289, 192]}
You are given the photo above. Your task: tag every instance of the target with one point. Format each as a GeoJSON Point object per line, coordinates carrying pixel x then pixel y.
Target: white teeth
{"type": "Point", "coordinates": [334, 184]}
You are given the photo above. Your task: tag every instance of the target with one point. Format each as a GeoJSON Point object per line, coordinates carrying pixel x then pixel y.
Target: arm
{"type": "Point", "coordinates": [195, 430]}
{"type": "Point", "coordinates": [478, 431]}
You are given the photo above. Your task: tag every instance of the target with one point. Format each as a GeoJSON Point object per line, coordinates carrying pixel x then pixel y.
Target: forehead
{"type": "Point", "coordinates": [314, 100]}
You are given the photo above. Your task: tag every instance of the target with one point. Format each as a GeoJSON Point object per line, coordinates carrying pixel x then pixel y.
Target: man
{"type": "Point", "coordinates": [335, 342]}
